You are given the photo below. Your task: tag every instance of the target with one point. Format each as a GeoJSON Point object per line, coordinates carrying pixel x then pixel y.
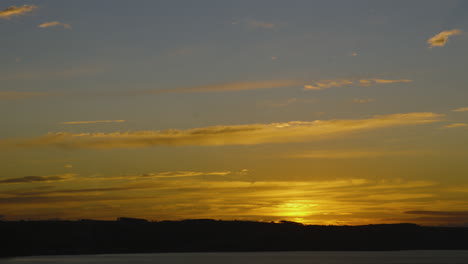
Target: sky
{"type": "Point", "coordinates": [319, 112]}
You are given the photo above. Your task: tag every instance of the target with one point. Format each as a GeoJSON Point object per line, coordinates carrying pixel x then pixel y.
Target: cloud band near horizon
{"type": "Point", "coordinates": [250, 134]}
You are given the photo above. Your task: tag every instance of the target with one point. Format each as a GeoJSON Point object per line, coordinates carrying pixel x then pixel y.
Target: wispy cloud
{"type": "Point", "coordinates": [11, 95]}
{"type": "Point", "coordinates": [363, 100]}
{"type": "Point", "coordinates": [440, 217]}
{"type": "Point", "coordinates": [388, 81]}
{"type": "Point", "coordinates": [327, 84]}
{"type": "Point", "coordinates": [287, 102]}
{"type": "Point", "coordinates": [456, 125]}
{"type": "Point", "coordinates": [232, 86]}
{"type": "Point", "coordinates": [54, 24]}
{"type": "Point", "coordinates": [29, 179]}
{"type": "Point", "coordinates": [50, 74]}
{"type": "Point", "coordinates": [441, 39]}
{"type": "Point", "coordinates": [181, 174]}
{"type": "Point", "coordinates": [270, 84]}
{"type": "Point", "coordinates": [320, 85]}
{"type": "Point", "coordinates": [294, 131]}
{"type": "Point", "coordinates": [16, 11]}
{"type": "Point", "coordinates": [341, 201]}
{"type": "Point", "coordinates": [355, 154]}
{"type": "Point", "coordinates": [92, 122]}
{"type": "Point", "coordinates": [461, 109]}
{"type": "Point", "coordinates": [439, 213]}
{"type": "Point", "coordinates": [167, 175]}
{"type": "Point", "coordinates": [258, 24]}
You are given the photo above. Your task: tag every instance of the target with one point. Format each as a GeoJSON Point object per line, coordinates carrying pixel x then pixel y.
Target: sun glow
{"type": "Point", "coordinates": [296, 208]}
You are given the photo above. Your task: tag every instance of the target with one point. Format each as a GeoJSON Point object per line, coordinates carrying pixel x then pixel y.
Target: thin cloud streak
{"type": "Point", "coordinates": [461, 109]}
{"type": "Point", "coordinates": [326, 84]}
{"type": "Point", "coordinates": [16, 11]}
{"type": "Point", "coordinates": [251, 134]}
{"type": "Point", "coordinates": [363, 101]}
{"type": "Point", "coordinates": [232, 86]}
{"type": "Point", "coordinates": [12, 95]}
{"type": "Point", "coordinates": [54, 24]}
{"type": "Point", "coordinates": [92, 122]}
{"type": "Point", "coordinates": [456, 125]}
{"type": "Point", "coordinates": [162, 175]}
{"type": "Point", "coordinates": [441, 39]}
{"type": "Point", "coordinates": [257, 24]}
{"type": "Point", "coordinates": [355, 154]}
{"type": "Point", "coordinates": [269, 84]}
{"type": "Point", "coordinates": [46, 75]}
{"type": "Point", "coordinates": [29, 179]}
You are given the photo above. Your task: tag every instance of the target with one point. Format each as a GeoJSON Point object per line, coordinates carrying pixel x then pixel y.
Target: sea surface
{"type": "Point", "coordinates": [322, 257]}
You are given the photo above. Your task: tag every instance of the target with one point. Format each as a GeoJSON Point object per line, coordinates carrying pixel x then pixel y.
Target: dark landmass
{"type": "Point", "coordinates": [129, 235]}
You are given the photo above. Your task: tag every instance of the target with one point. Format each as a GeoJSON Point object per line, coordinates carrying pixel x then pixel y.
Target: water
{"type": "Point", "coordinates": [320, 257]}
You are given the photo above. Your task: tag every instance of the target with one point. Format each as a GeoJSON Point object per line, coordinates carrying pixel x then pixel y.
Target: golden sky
{"type": "Point", "coordinates": [320, 112]}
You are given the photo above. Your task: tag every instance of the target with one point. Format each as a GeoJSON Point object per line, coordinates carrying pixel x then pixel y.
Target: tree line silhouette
{"type": "Point", "coordinates": [131, 235]}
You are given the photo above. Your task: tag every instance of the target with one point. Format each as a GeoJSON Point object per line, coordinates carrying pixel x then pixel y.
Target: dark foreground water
{"type": "Point", "coordinates": [331, 257]}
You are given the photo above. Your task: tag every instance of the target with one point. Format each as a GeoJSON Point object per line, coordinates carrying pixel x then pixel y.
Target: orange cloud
{"type": "Point", "coordinates": [293, 131]}
{"type": "Point", "coordinates": [456, 125]}
{"type": "Point", "coordinates": [441, 39]}
{"type": "Point", "coordinates": [233, 86]}
{"type": "Point", "coordinates": [54, 24]}
{"type": "Point", "coordinates": [29, 179]}
{"type": "Point", "coordinates": [355, 154]}
{"type": "Point", "coordinates": [461, 109]}
{"type": "Point", "coordinates": [255, 24]}
{"type": "Point", "coordinates": [92, 122]}
{"type": "Point", "coordinates": [16, 11]}
{"type": "Point", "coordinates": [320, 85]}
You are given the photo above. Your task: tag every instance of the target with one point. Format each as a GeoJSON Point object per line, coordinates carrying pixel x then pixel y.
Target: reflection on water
{"type": "Point", "coordinates": [331, 257]}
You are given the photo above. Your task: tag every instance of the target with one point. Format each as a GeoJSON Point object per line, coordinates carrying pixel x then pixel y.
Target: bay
{"type": "Point", "coordinates": [322, 257]}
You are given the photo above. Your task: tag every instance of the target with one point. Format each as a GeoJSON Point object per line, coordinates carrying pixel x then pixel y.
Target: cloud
{"type": "Point", "coordinates": [232, 86]}
{"type": "Point", "coordinates": [320, 85]}
{"type": "Point", "coordinates": [354, 154]}
{"type": "Point", "coordinates": [456, 125]}
{"type": "Point", "coordinates": [390, 81]}
{"type": "Point", "coordinates": [179, 174]}
{"type": "Point", "coordinates": [440, 217]}
{"type": "Point", "coordinates": [363, 101]}
{"type": "Point", "coordinates": [439, 213]}
{"type": "Point", "coordinates": [441, 39]}
{"type": "Point", "coordinates": [352, 201]}
{"type": "Point", "coordinates": [282, 103]}
{"type": "Point", "coordinates": [251, 134]}
{"type": "Point", "coordinates": [29, 179]}
{"type": "Point", "coordinates": [92, 122]}
{"type": "Point", "coordinates": [51, 74]}
{"type": "Point", "coordinates": [287, 102]}
{"type": "Point", "coordinates": [167, 174]}
{"type": "Point", "coordinates": [257, 24]}
{"type": "Point", "coordinates": [269, 84]}
{"type": "Point", "coordinates": [54, 24]}
{"type": "Point", "coordinates": [16, 11]}
{"type": "Point", "coordinates": [11, 95]}
{"type": "Point", "coordinates": [327, 84]}
{"type": "Point", "coordinates": [461, 109]}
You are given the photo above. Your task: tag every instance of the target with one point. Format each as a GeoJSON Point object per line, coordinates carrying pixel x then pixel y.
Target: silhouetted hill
{"type": "Point", "coordinates": [129, 235]}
